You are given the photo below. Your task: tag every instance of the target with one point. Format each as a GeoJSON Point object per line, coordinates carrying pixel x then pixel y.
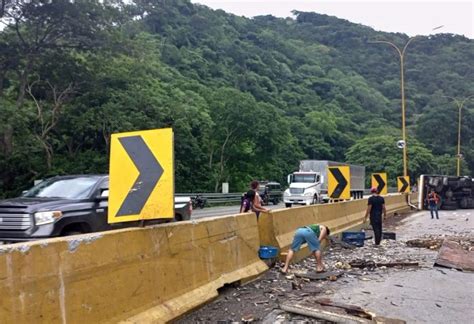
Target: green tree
{"type": "Point", "coordinates": [380, 154]}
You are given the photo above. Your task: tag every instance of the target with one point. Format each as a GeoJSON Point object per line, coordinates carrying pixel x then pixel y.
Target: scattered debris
{"type": "Point", "coordinates": [327, 310]}
{"type": "Point", "coordinates": [247, 319]}
{"type": "Point", "coordinates": [435, 243]}
{"type": "Point", "coordinates": [319, 276]}
{"type": "Point", "coordinates": [432, 244]}
{"type": "Point", "coordinates": [452, 255]}
{"type": "Point", "coordinates": [371, 264]}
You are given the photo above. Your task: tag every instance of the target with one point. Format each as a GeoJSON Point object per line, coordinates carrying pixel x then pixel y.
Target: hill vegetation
{"type": "Point", "coordinates": [247, 98]}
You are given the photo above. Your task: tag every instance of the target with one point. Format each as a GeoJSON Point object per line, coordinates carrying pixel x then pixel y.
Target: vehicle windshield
{"type": "Point", "coordinates": [68, 188]}
{"type": "Point", "coordinates": [309, 178]}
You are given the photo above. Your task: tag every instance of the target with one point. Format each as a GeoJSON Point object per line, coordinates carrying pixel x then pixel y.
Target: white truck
{"type": "Point", "coordinates": [309, 185]}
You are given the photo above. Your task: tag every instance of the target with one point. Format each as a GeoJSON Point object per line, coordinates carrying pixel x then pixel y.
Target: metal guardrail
{"type": "Point", "coordinates": [215, 198]}
{"type": "Point", "coordinates": [220, 198]}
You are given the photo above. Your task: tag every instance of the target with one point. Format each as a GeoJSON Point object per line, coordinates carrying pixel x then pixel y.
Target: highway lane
{"type": "Point", "coordinates": [231, 210]}
{"type": "Point", "coordinates": [224, 210]}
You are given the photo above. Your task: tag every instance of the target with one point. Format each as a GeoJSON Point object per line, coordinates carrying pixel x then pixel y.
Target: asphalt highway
{"type": "Point", "coordinates": [224, 210]}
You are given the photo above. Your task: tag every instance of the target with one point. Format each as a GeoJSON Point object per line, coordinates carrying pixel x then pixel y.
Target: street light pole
{"type": "Point", "coordinates": [401, 53]}
{"type": "Point", "coordinates": [459, 103]}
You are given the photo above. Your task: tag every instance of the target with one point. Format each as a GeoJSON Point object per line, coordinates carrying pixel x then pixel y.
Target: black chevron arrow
{"type": "Point", "coordinates": [381, 183]}
{"type": "Point", "coordinates": [405, 184]}
{"type": "Point", "coordinates": [150, 172]}
{"type": "Point", "coordinates": [341, 182]}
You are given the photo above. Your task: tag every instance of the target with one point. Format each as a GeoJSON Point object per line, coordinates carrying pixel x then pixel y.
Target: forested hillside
{"type": "Point", "coordinates": [247, 98]}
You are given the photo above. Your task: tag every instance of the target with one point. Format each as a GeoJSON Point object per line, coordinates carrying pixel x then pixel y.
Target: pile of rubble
{"type": "Point", "coordinates": [303, 295]}
{"type": "Point", "coordinates": [435, 242]}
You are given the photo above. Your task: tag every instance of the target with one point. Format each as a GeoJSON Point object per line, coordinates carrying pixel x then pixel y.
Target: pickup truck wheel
{"type": "Point", "coordinates": [68, 233]}
{"type": "Point", "coordinates": [287, 205]}
{"type": "Point", "coordinates": [178, 218]}
{"type": "Point", "coordinates": [75, 229]}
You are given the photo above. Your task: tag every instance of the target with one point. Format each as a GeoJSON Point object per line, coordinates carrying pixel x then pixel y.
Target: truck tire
{"type": "Point", "coordinates": [466, 203]}
{"type": "Point", "coordinates": [287, 205]}
{"type": "Point", "coordinates": [315, 200]}
{"type": "Point", "coordinates": [449, 207]}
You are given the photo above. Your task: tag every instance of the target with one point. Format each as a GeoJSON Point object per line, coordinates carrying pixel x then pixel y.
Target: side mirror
{"type": "Point", "coordinates": [290, 178]}
{"type": "Point", "coordinates": [321, 179]}
{"type": "Point", "coordinates": [104, 195]}
{"type": "Point", "coordinates": [24, 192]}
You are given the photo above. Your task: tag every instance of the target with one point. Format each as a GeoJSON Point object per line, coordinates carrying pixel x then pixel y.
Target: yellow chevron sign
{"type": "Point", "coordinates": [403, 184]}
{"type": "Point", "coordinates": [339, 182]}
{"type": "Point", "coordinates": [379, 181]}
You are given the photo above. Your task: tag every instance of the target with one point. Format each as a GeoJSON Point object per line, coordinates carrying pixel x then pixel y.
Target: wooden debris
{"type": "Point", "coordinates": [452, 255]}
{"type": "Point", "coordinates": [322, 312]}
{"type": "Point", "coordinates": [371, 264]}
{"type": "Point", "coordinates": [319, 276]}
{"type": "Point", "coordinates": [328, 310]}
{"type": "Point", "coordinates": [433, 244]}
{"type": "Point", "coordinates": [386, 320]}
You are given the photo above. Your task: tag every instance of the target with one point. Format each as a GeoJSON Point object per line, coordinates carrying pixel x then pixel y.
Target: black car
{"type": "Point", "coordinates": [66, 205]}
{"type": "Point", "coordinates": [270, 192]}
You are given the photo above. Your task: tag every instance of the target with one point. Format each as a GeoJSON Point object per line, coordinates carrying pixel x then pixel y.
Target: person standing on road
{"type": "Point", "coordinates": [313, 235]}
{"type": "Point", "coordinates": [375, 207]}
{"type": "Point", "coordinates": [252, 200]}
{"type": "Point", "coordinates": [433, 200]}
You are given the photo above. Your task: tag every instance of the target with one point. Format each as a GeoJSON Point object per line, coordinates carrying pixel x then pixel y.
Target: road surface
{"type": "Point", "coordinates": [224, 210]}
{"type": "Point", "coordinates": [422, 294]}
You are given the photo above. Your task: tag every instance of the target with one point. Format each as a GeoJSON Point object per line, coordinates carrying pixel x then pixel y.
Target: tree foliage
{"type": "Point", "coordinates": [247, 98]}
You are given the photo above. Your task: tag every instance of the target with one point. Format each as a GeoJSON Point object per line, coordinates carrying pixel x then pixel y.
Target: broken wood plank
{"type": "Point", "coordinates": [452, 255]}
{"type": "Point", "coordinates": [386, 320]}
{"type": "Point", "coordinates": [322, 312]}
{"type": "Point", "coordinates": [372, 264]}
{"type": "Point", "coordinates": [318, 276]}
{"type": "Point", "coordinates": [337, 314]}
{"type": "Point", "coordinates": [397, 264]}
{"type": "Point", "coordinates": [349, 309]}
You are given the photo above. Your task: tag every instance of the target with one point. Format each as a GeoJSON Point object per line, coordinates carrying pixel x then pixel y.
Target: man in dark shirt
{"type": "Point", "coordinates": [376, 206]}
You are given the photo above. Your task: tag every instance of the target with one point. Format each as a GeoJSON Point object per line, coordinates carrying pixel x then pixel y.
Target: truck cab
{"type": "Point", "coordinates": [304, 188]}
{"type": "Point", "coordinates": [67, 205]}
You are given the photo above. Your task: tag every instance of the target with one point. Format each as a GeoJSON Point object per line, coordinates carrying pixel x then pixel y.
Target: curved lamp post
{"type": "Point", "coordinates": [401, 54]}
{"type": "Point", "coordinates": [459, 103]}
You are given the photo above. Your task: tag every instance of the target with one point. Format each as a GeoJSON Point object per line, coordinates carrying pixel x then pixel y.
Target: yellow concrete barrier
{"type": "Point", "coordinates": [278, 226]}
{"type": "Point", "coordinates": [142, 275]}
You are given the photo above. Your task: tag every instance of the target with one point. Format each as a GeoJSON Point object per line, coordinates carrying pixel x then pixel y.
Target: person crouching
{"type": "Point", "coordinates": [313, 235]}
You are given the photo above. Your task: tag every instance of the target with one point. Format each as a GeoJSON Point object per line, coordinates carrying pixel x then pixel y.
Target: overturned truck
{"type": "Point", "coordinates": [455, 192]}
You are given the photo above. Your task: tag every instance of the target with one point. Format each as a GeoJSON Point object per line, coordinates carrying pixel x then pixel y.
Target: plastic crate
{"type": "Point", "coordinates": [389, 236]}
{"type": "Point", "coordinates": [267, 252]}
{"type": "Point", "coordinates": [354, 238]}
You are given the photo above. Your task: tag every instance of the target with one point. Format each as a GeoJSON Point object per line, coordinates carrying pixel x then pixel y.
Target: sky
{"type": "Point", "coordinates": [417, 17]}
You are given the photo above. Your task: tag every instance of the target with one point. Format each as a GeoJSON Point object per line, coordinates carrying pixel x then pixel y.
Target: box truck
{"type": "Point", "coordinates": [309, 185]}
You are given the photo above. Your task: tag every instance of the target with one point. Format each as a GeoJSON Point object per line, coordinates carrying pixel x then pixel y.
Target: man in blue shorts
{"type": "Point", "coordinates": [312, 235]}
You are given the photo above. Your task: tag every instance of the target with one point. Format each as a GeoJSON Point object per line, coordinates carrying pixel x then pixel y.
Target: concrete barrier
{"type": "Point", "coordinates": [278, 226]}
{"type": "Point", "coordinates": [141, 275]}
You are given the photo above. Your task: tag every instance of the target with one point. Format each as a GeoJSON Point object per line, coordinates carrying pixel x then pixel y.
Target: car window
{"type": "Point", "coordinates": [68, 188]}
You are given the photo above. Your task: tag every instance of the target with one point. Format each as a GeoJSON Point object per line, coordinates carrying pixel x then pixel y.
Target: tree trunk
{"type": "Point", "coordinates": [23, 83]}
{"type": "Point", "coordinates": [7, 141]}
{"type": "Point", "coordinates": [2, 77]}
